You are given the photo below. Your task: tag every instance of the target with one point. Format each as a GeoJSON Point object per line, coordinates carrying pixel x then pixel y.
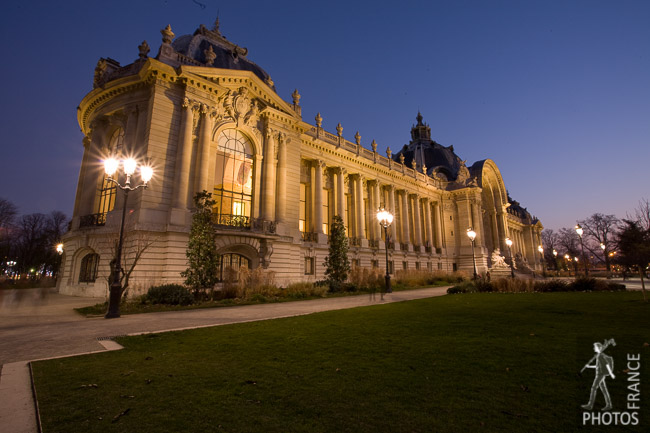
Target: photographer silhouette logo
{"type": "Point", "coordinates": [603, 366]}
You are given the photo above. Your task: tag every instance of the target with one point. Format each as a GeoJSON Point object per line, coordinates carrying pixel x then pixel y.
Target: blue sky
{"type": "Point", "coordinates": [557, 93]}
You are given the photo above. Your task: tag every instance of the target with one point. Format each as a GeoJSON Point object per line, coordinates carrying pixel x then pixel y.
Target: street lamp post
{"type": "Point", "coordinates": [541, 254]}
{"type": "Point", "coordinates": [385, 219]}
{"type": "Point", "coordinates": [582, 247]}
{"type": "Point", "coordinates": [605, 257]}
{"type": "Point", "coordinates": [567, 259]}
{"type": "Point", "coordinates": [129, 167]}
{"type": "Point", "coordinates": [557, 270]}
{"type": "Point", "coordinates": [471, 234]}
{"type": "Point", "coordinates": [512, 262]}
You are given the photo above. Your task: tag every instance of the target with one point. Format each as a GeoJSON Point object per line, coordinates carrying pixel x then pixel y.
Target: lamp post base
{"type": "Point", "coordinates": [389, 289]}
{"type": "Point", "coordinates": [114, 303]}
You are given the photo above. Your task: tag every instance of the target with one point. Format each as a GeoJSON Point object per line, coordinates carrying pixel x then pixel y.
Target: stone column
{"type": "Point", "coordinates": [130, 131]}
{"type": "Point", "coordinates": [268, 186]}
{"type": "Point", "coordinates": [428, 227]}
{"type": "Point", "coordinates": [495, 230]}
{"type": "Point", "coordinates": [281, 195]}
{"type": "Point", "coordinates": [317, 212]}
{"type": "Point", "coordinates": [478, 225]}
{"type": "Point", "coordinates": [393, 209]}
{"type": "Point", "coordinates": [204, 150]}
{"type": "Point", "coordinates": [417, 221]}
{"type": "Point", "coordinates": [376, 205]}
{"type": "Point", "coordinates": [406, 233]}
{"type": "Point", "coordinates": [183, 158]}
{"type": "Point", "coordinates": [361, 212]}
{"type": "Point", "coordinates": [86, 190]}
{"type": "Point", "coordinates": [340, 195]}
{"type": "Point", "coordinates": [437, 213]}
{"type": "Point", "coordinates": [503, 230]}
{"type": "Point", "coordinates": [257, 184]}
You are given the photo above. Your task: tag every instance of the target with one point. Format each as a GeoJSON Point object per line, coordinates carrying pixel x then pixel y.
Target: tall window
{"type": "Point", "coordinates": [326, 211]}
{"type": "Point", "coordinates": [107, 190]}
{"type": "Point", "coordinates": [233, 179]}
{"type": "Point", "coordinates": [303, 223]}
{"type": "Point", "coordinates": [88, 271]}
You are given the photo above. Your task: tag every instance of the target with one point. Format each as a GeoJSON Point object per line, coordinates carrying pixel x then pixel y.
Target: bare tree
{"type": "Point", "coordinates": [569, 243]}
{"type": "Point", "coordinates": [642, 214]}
{"type": "Point", "coordinates": [550, 243]}
{"type": "Point", "coordinates": [600, 230]}
{"type": "Point", "coordinates": [7, 232]}
{"type": "Point", "coordinates": [8, 213]}
{"type": "Point", "coordinates": [135, 245]}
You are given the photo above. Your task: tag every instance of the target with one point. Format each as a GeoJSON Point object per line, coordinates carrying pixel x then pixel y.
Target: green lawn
{"type": "Point", "coordinates": [459, 363]}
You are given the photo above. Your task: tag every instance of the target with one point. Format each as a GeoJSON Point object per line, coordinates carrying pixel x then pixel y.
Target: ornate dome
{"type": "Point", "coordinates": [210, 48]}
{"type": "Point", "coordinates": [439, 160]}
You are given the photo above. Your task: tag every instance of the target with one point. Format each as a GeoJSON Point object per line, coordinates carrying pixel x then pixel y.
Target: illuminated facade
{"type": "Point", "coordinates": [207, 118]}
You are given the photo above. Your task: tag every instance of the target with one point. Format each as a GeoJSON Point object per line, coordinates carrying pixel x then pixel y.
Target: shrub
{"type": "Point", "coordinates": [305, 290]}
{"type": "Point", "coordinates": [169, 294]}
{"type": "Point", "coordinates": [256, 282]}
{"type": "Point", "coordinates": [365, 279]}
{"type": "Point", "coordinates": [551, 286]}
{"type": "Point", "coordinates": [418, 278]}
{"type": "Point", "coordinates": [584, 284]}
{"type": "Point", "coordinates": [483, 286]}
{"type": "Point", "coordinates": [464, 287]}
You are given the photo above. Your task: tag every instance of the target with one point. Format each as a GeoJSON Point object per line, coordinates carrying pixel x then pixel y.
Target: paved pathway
{"type": "Point", "coordinates": [35, 327]}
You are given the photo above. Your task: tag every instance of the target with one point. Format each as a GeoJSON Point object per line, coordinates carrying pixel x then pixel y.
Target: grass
{"type": "Point", "coordinates": [461, 363]}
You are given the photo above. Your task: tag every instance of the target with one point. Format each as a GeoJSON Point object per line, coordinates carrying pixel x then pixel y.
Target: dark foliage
{"type": "Point", "coordinates": [169, 294]}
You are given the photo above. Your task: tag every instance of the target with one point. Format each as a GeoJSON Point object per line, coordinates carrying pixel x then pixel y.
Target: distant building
{"type": "Point", "coordinates": [208, 118]}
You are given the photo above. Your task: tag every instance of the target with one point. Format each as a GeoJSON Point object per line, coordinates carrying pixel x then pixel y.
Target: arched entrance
{"type": "Point", "coordinates": [230, 265]}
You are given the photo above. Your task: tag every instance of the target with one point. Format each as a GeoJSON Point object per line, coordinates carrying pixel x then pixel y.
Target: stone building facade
{"type": "Point", "coordinates": [207, 118]}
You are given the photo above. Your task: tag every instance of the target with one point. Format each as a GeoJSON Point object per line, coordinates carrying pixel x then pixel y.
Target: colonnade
{"type": "Point", "coordinates": [417, 219]}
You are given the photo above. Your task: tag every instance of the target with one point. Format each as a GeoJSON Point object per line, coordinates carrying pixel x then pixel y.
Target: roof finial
{"type": "Point", "coordinates": [216, 23]}
{"type": "Point", "coordinates": [167, 34]}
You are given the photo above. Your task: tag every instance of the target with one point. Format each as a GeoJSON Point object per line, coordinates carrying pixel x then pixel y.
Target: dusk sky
{"type": "Point", "coordinates": [557, 93]}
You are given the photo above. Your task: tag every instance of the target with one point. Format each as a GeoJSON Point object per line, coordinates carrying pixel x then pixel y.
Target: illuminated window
{"type": "Point", "coordinates": [107, 190]}
{"type": "Point", "coordinates": [88, 271]}
{"type": "Point", "coordinates": [302, 219]}
{"type": "Point", "coordinates": [348, 220]}
{"type": "Point", "coordinates": [326, 211]}
{"type": "Point", "coordinates": [233, 179]}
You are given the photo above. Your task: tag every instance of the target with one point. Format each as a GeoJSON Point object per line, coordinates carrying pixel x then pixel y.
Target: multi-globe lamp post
{"type": "Point", "coordinates": [541, 259]}
{"type": "Point", "coordinates": [129, 167]}
{"type": "Point", "coordinates": [471, 234]}
{"type": "Point", "coordinates": [385, 219]}
{"type": "Point", "coordinates": [579, 231]}
{"type": "Point", "coordinates": [512, 262]}
{"type": "Point", "coordinates": [557, 270]}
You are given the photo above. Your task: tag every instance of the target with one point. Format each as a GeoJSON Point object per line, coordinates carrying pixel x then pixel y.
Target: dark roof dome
{"type": "Point", "coordinates": [208, 47]}
{"type": "Point", "coordinates": [438, 159]}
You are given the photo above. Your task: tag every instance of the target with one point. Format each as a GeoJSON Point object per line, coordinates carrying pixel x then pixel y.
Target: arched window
{"type": "Point", "coordinates": [88, 268]}
{"type": "Point", "coordinates": [231, 263]}
{"type": "Point", "coordinates": [107, 190]}
{"type": "Point", "coordinates": [233, 179]}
